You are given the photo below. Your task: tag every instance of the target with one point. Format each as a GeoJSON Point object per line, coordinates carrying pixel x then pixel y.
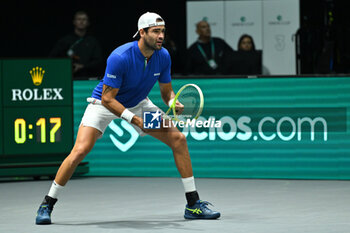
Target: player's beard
{"type": "Point", "coordinates": [151, 45]}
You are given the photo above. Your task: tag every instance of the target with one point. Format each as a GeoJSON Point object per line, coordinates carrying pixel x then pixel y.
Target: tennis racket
{"type": "Point", "coordinates": [191, 96]}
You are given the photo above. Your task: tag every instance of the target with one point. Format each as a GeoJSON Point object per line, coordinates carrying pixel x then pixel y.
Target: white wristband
{"type": "Point", "coordinates": [171, 102]}
{"type": "Point", "coordinates": [127, 115]}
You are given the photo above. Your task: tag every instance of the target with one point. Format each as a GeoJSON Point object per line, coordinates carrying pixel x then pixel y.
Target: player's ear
{"type": "Point", "coordinates": [142, 32]}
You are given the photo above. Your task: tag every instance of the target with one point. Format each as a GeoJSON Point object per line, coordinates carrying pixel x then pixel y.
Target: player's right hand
{"type": "Point", "coordinates": [138, 121]}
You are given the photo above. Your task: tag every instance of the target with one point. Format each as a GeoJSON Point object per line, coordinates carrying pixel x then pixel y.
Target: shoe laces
{"type": "Point", "coordinates": [44, 209]}
{"type": "Point", "coordinates": [204, 204]}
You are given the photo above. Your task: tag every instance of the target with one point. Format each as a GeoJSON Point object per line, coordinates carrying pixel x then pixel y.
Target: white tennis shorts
{"type": "Point", "coordinates": [98, 116]}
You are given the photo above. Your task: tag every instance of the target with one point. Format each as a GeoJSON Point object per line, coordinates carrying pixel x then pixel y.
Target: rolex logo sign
{"type": "Point", "coordinates": [37, 74]}
{"type": "Point", "coordinates": [37, 94]}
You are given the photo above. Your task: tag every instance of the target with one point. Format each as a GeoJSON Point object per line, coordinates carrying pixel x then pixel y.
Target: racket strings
{"type": "Point", "coordinates": [190, 98]}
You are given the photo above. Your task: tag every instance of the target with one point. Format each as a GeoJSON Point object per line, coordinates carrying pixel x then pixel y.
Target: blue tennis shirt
{"type": "Point", "coordinates": [126, 70]}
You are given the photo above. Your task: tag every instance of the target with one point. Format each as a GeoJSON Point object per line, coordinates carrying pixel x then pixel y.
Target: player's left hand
{"type": "Point", "coordinates": [179, 108]}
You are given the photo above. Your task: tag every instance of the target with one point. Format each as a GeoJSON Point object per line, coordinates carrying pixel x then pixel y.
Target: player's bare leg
{"type": "Point", "coordinates": [195, 209]}
{"type": "Point", "coordinates": [177, 142]}
{"type": "Point", "coordinates": [85, 141]}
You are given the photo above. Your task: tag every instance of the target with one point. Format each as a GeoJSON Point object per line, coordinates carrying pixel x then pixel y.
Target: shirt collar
{"type": "Point", "coordinates": [138, 51]}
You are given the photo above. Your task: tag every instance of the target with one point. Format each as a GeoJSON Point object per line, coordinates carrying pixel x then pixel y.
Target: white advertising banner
{"type": "Point", "coordinates": [211, 11]}
{"type": "Point", "coordinates": [271, 23]}
{"type": "Point", "coordinates": [280, 23]}
{"type": "Point", "coordinates": [243, 17]}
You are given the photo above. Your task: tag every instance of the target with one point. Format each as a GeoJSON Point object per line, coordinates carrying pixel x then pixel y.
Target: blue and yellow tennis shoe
{"type": "Point", "coordinates": [44, 212]}
{"type": "Point", "coordinates": [44, 215]}
{"type": "Point", "coordinates": [200, 210]}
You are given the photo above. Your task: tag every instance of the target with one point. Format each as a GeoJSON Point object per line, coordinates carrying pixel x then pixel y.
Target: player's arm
{"type": "Point", "coordinates": [168, 96]}
{"type": "Point", "coordinates": [108, 100]}
{"type": "Point", "coordinates": [166, 91]}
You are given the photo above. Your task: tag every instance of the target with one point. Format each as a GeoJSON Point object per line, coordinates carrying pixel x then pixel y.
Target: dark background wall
{"type": "Point", "coordinates": [31, 28]}
{"type": "Point", "coordinates": [325, 36]}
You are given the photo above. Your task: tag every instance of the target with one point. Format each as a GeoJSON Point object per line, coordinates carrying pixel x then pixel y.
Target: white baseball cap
{"type": "Point", "coordinates": [147, 20]}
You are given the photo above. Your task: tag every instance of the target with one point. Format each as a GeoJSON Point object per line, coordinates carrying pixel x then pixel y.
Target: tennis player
{"type": "Point", "coordinates": [131, 72]}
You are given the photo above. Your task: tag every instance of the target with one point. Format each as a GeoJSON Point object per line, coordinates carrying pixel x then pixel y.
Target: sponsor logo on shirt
{"type": "Point", "coordinates": [111, 76]}
{"type": "Point", "coordinates": [156, 74]}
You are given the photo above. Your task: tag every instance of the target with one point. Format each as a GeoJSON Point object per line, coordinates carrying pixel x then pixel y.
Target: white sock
{"type": "Point", "coordinates": [189, 184]}
{"type": "Point", "coordinates": [55, 188]}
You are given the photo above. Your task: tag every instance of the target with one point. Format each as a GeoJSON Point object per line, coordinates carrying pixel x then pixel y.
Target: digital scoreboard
{"type": "Point", "coordinates": [36, 109]}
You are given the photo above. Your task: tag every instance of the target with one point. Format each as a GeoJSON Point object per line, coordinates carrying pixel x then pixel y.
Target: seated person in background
{"type": "Point", "coordinates": [247, 60]}
{"type": "Point", "coordinates": [246, 43]}
{"type": "Point", "coordinates": [208, 55]}
{"type": "Point", "coordinates": [82, 48]}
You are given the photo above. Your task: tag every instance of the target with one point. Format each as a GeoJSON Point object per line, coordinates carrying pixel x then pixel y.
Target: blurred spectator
{"type": "Point", "coordinates": [82, 48]}
{"type": "Point", "coordinates": [208, 55]}
{"type": "Point", "coordinates": [246, 43]}
{"type": "Point", "coordinates": [247, 60]}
